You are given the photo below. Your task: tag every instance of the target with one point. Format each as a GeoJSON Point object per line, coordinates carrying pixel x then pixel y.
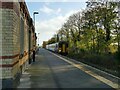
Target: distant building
{"type": "Point", "coordinates": [44, 44]}
{"type": "Point", "coordinates": [17, 40]}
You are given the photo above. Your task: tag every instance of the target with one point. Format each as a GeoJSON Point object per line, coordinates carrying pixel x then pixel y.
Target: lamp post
{"type": "Point", "coordinates": [34, 16]}
{"type": "Point", "coordinates": [38, 39]}
{"type": "Point", "coordinates": [34, 32]}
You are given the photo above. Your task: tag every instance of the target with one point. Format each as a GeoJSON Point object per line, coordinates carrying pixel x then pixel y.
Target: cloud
{"type": "Point", "coordinates": [47, 3]}
{"type": "Point", "coordinates": [47, 10]}
{"type": "Point", "coordinates": [51, 25]}
{"type": "Point", "coordinates": [48, 28]}
{"type": "Point", "coordinates": [71, 12]}
{"type": "Point", "coordinates": [60, 0]}
{"type": "Point", "coordinates": [58, 10]}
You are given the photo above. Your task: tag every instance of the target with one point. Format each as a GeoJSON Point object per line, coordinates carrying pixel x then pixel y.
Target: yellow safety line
{"type": "Point", "coordinates": [104, 80]}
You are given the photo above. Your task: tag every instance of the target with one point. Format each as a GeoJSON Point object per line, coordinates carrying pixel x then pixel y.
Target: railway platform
{"type": "Point", "coordinates": [53, 71]}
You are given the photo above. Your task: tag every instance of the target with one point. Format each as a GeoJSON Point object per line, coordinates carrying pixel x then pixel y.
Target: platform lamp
{"type": "Point", "coordinates": [34, 17]}
{"type": "Point", "coordinates": [34, 28]}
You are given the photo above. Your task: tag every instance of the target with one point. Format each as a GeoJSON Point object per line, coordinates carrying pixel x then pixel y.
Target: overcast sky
{"type": "Point", "coordinates": [52, 15]}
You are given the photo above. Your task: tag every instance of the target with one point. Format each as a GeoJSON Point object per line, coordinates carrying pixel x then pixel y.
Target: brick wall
{"type": "Point", "coordinates": [12, 61]}
{"type": "Point", "coordinates": [10, 39]}
{"type": "Point", "coordinates": [0, 41]}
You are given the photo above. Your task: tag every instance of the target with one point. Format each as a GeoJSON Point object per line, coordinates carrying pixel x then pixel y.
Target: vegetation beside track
{"type": "Point", "coordinates": [105, 62]}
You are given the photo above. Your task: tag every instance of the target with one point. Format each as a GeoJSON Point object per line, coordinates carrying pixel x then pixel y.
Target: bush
{"type": "Point", "coordinates": [117, 54]}
{"type": "Point", "coordinates": [104, 61]}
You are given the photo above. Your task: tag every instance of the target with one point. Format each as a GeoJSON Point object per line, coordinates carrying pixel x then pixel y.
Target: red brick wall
{"type": "Point", "coordinates": [10, 61]}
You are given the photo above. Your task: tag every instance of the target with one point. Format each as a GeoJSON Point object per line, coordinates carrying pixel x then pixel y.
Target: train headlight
{"type": "Point", "coordinates": [59, 50]}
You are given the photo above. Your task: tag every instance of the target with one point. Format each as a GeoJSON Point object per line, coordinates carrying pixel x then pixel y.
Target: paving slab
{"type": "Point", "coordinates": [49, 71]}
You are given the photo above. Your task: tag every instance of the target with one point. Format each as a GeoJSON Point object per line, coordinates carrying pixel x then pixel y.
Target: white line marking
{"type": "Point", "coordinates": [104, 80]}
{"type": "Point", "coordinates": [96, 69]}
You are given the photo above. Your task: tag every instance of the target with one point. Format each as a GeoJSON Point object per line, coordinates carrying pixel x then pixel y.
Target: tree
{"type": "Point", "coordinates": [104, 16]}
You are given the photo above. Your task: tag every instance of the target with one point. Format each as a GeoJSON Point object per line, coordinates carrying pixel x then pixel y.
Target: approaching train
{"type": "Point", "coordinates": [59, 47]}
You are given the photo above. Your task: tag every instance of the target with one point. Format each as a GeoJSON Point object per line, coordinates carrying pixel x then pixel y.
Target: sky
{"type": "Point", "coordinates": [52, 15]}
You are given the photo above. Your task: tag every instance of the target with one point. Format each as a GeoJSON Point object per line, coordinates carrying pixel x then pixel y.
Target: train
{"type": "Point", "coordinates": [60, 47]}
